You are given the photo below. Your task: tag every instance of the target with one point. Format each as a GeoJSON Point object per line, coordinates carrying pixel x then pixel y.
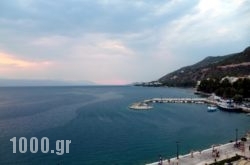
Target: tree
{"type": "Point", "coordinates": [238, 90]}
{"type": "Point", "coordinates": [238, 98]}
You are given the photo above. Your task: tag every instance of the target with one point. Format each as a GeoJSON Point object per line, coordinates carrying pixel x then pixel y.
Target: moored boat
{"type": "Point", "coordinates": [211, 108]}
{"type": "Point", "coordinates": [229, 107]}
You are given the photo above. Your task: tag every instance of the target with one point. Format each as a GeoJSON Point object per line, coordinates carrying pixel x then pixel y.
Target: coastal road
{"type": "Point", "coordinates": [208, 156]}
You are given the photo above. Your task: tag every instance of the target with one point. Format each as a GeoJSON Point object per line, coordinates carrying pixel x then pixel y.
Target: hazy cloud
{"type": "Point", "coordinates": [116, 41]}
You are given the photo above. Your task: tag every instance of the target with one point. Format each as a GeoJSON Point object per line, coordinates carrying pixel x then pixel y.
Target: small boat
{"type": "Point", "coordinates": [211, 108]}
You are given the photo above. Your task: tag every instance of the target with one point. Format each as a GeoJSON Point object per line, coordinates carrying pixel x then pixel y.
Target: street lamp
{"type": "Point", "coordinates": [236, 135]}
{"type": "Point", "coordinates": [177, 150]}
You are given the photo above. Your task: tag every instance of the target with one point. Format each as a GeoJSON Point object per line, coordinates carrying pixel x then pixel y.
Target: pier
{"type": "Point", "coordinates": [177, 100]}
{"type": "Point", "coordinates": [146, 104]}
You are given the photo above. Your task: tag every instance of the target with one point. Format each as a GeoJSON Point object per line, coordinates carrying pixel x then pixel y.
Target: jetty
{"type": "Point", "coordinates": [177, 100]}
{"type": "Point", "coordinates": [211, 155]}
{"type": "Point", "coordinates": [147, 104]}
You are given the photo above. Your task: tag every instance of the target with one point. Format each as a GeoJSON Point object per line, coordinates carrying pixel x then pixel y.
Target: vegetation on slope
{"type": "Point", "coordinates": [237, 90]}
{"type": "Point", "coordinates": [237, 64]}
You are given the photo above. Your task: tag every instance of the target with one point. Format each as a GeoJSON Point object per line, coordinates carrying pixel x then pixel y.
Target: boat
{"type": "Point", "coordinates": [211, 108]}
{"type": "Point", "coordinates": [229, 107]}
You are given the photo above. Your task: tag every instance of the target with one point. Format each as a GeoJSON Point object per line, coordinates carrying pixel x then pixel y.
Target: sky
{"type": "Point", "coordinates": [116, 41]}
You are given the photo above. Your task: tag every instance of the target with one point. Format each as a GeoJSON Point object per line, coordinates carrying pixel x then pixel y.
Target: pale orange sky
{"type": "Point", "coordinates": [116, 42]}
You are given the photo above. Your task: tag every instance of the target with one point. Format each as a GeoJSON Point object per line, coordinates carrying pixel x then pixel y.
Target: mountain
{"type": "Point", "coordinates": [237, 64]}
{"type": "Point", "coordinates": [24, 82]}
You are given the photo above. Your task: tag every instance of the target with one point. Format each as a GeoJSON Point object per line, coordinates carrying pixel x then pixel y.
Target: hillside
{"type": "Point", "coordinates": [237, 64]}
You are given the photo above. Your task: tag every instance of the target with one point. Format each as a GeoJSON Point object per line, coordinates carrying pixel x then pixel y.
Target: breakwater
{"type": "Point", "coordinates": [177, 100]}
{"type": "Point", "coordinates": [145, 104]}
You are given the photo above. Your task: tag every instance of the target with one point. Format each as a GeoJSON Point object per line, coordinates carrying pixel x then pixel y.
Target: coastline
{"type": "Point", "coordinates": [144, 134]}
{"type": "Point", "coordinates": [146, 104]}
{"type": "Point", "coordinates": [227, 152]}
{"type": "Point", "coordinates": [208, 156]}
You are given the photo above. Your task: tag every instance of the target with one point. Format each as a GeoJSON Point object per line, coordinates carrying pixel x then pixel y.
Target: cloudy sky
{"type": "Point", "coordinates": [116, 41]}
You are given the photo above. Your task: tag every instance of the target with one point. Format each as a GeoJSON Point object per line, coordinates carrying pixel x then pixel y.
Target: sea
{"type": "Point", "coordinates": [103, 130]}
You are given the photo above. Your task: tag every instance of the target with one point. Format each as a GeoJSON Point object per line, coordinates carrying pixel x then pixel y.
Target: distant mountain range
{"type": "Point", "coordinates": [237, 64]}
{"type": "Point", "coordinates": [28, 82]}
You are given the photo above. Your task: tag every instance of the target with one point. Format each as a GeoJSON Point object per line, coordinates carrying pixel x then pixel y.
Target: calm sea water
{"type": "Point", "coordinates": [102, 128]}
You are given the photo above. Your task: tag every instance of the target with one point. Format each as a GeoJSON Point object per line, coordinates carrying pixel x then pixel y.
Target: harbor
{"type": "Point", "coordinates": [225, 105]}
{"type": "Point", "coordinates": [233, 153]}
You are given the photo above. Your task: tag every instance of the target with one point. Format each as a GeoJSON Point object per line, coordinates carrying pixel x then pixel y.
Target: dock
{"type": "Point", "coordinates": [177, 100]}
{"type": "Point", "coordinates": [147, 104]}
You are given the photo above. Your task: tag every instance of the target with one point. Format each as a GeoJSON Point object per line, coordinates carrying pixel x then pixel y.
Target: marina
{"type": "Point", "coordinates": [238, 150]}
{"type": "Point", "coordinates": [213, 104]}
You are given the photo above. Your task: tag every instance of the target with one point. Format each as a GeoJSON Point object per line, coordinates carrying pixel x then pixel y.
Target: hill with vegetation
{"type": "Point", "coordinates": [238, 89]}
{"type": "Point", "coordinates": [237, 64]}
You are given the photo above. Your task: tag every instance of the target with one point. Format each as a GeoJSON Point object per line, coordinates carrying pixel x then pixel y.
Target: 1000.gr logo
{"type": "Point", "coordinates": [44, 143]}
